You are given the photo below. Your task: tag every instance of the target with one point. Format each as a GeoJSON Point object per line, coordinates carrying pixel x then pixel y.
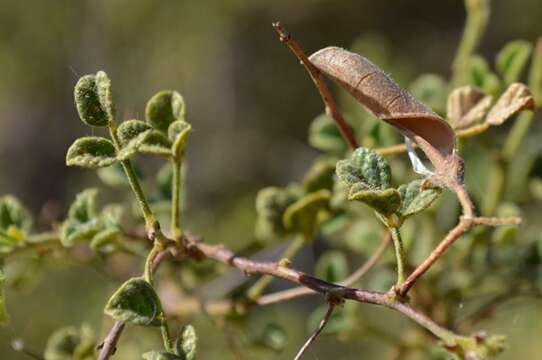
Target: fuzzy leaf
{"type": "Point", "coordinates": [151, 142]}
{"type": "Point", "coordinates": [431, 90]}
{"type": "Point", "coordinates": [466, 106]}
{"type": "Point", "coordinates": [160, 355]}
{"type": "Point", "coordinates": [515, 99]}
{"type": "Point", "coordinates": [306, 214]}
{"type": "Point", "coordinates": [83, 208]}
{"type": "Point", "coordinates": [331, 266]}
{"type": "Point", "coordinates": [479, 75]}
{"type": "Point", "coordinates": [105, 94]}
{"type": "Point", "coordinates": [512, 59]}
{"type": "Point", "coordinates": [135, 302]}
{"type": "Point", "coordinates": [325, 136]}
{"type": "Point", "coordinates": [164, 108]}
{"type": "Point", "coordinates": [14, 214]}
{"type": "Point", "coordinates": [91, 152]}
{"type": "Point", "coordinates": [105, 240]}
{"type": "Point", "coordinates": [415, 199]}
{"type": "Point", "coordinates": [4, 317]}
{"type": "Point", "coordinates": [186, 343]}
{"type": "Point", "coordinates": [178, 134]}
{"type": "Point", "coordinates": [131, 129]}
{"type": "Point", "coordinates": [87, 101]}
{"type": "Point", "coordinates": [271, 203]}
{"type": "Point", "coordinates": [73, 231]}
{"type": "Point", "coordinates": [367, 167]}
{"type": "Point", "coordinates": [71, 343]}
{"type": "Point", "coordinates": [273, 337]}
{"type": "Point", "coordinates": [385, 201]}
{"type": "Point", "coordinates": [320, 176]}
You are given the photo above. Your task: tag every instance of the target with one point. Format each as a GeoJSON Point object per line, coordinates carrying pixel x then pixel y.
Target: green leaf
{"type": "Point", "coordinates": [87, 101]}
{"type": "Point", "coordinates": [71, 343]}
{"type": "Point", "coordinates": [151, 142]}
{"type": "Point", "coordinates": [479, 75]}
{"type": "Point", "coordinates": [4, 317]}
{"type": "Point", "coordinates": [431, 90]}
{"type": "Point", "coordinates": [273, 337]}
{"type": "Point", "coordinates": [186, 343]}
{"type": "Point", "coordinates": [91, 152]}
{"type": "Point", "coordinates": [105, 94]}
{"type": "Point", "coordinates": [367, 167]}
{"type": "Point", "coordinates": [14, 214]}
{"type": "Point", "coordinates": [332, 266]}
{"type": "Point", "coordinates": [131, 129]}
{"type": "Point", "coordinates": [320, 176]}
{"type": "Point", "coordinates": [306, 214]}
{"type": "Point", "coordinates": [178, 134]}
{"type": "Point", "coordinates": [135, 302]}
{"type": "Point", "coordinates": [512, 58]}
{"type": "Point", "coordinates": [385, 201]}
{"type": "Point", "coordinates": [325, 136]}
{"type": "Point", "coordinates": [83, 208]}
{"type": "Point", "coordinates": [160, 355]}
{"type": "Point", "coordinates": [271, 203]}
{"type": "Point", "coordinates": [415, 199]}
{"type": "Point", "coordinates": [164, 108]}
{"type": "Point", "coordinates": [105, 240]}
{"type": "Point", "coordinates": [73, 231]}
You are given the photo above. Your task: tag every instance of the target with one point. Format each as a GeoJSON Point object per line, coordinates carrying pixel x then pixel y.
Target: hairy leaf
{"type": "Point", "coordinates": [105, 94]}
{"type": "Point", "coordinates": [515, 99]}
{"type": "Point", "coordinates": [71, 343]}
{"type": "Point", "coordinates": [306, 214]}
{"type": "Point", "coordinates": [186, 343]}
{"type": "Point", "coordinates": [466, 106]}
{"type": "Point", "coordinates": [87, 101]}
{"type": "Point", "coordinates": [332, 266]}
{"type": "Point", "coordinates": [14, 214]}
{"type": "Point", "coordinates": [178, 134]}
{"type": "Point", "coordinates": [367, 167]}
{"type": "Point", "coordinates": [151, 142]}
{"type": "Point", "coordinates": [385, 201]}
{"type": "Point", "coordinates": [91, 152]}
{"type": "Point", "coordinates": [164, 108]}
{"type": "Point", "coordinates": [131, 129]}
{"type": "Point", "coordinates": [135, 302]}
{"type": "Point", "coordinates": [83, 207]}
{"type": "Point", "coordinates": [105, 240]}
{"type": "Point", "coordinates": [271, 203]}
{"type": "Point", "coordinates": [416, 199]}
{"type": "Point", "coordinates": [320, 176]}
{"type": "Point", "coordinates": [512, 58]}
{"type": "Point", "coordinates": [325, 136]}
{"type": "Point", "coordinates": [431, 89]}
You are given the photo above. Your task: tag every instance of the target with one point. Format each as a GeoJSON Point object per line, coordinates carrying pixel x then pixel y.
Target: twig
{"type": "Point", "coordinates": [201, 250]}
{"type": "Point", "coordinates": [317, 332]}
{"type": "Point", "coordinates": [330, 105]}
{"type": "Point", "coordinates": [109, 345]}
{"type": "Point", "coordinates": [300, 291]}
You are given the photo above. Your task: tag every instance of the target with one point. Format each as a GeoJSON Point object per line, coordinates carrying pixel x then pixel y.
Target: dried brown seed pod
{"type": "Point", "coordinates": [383, 98]}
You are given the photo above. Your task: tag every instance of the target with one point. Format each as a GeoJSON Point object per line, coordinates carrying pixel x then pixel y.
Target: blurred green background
{"type": "Point", "coordinates": [250, 104]}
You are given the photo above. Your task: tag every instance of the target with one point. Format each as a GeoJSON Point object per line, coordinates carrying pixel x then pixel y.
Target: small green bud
{"type": "Point", "coordinates": [186, 343]}
{"type": "Point", "coordinates": [164, 108]}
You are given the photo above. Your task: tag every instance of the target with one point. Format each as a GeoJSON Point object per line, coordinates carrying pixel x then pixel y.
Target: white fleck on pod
{"type": "Point", "coordinates": [383, 98]}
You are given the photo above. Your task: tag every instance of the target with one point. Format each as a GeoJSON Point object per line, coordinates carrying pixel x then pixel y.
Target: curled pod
{"type": "Point", "coordinates": [383, 98]}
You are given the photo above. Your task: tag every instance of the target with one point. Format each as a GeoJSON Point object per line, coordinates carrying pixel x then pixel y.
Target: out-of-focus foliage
{"type": "Point", "coordinates": [250, 107]}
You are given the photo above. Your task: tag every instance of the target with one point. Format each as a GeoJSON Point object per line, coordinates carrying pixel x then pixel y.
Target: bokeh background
{"type": "Point", "coordinates": [250, 104]}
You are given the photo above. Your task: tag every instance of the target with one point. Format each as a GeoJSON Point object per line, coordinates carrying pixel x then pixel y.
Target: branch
{"type": "Point", "coordinates": [199, 250]}
{"type": "Point", "coordinates": [317, 332]}
{"type": "Point", "coordinates": [349, 281]}
{"type": "Point", "coordinates": [109, 345]}
{"type": "Point", "coordinates": [330, 105]}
